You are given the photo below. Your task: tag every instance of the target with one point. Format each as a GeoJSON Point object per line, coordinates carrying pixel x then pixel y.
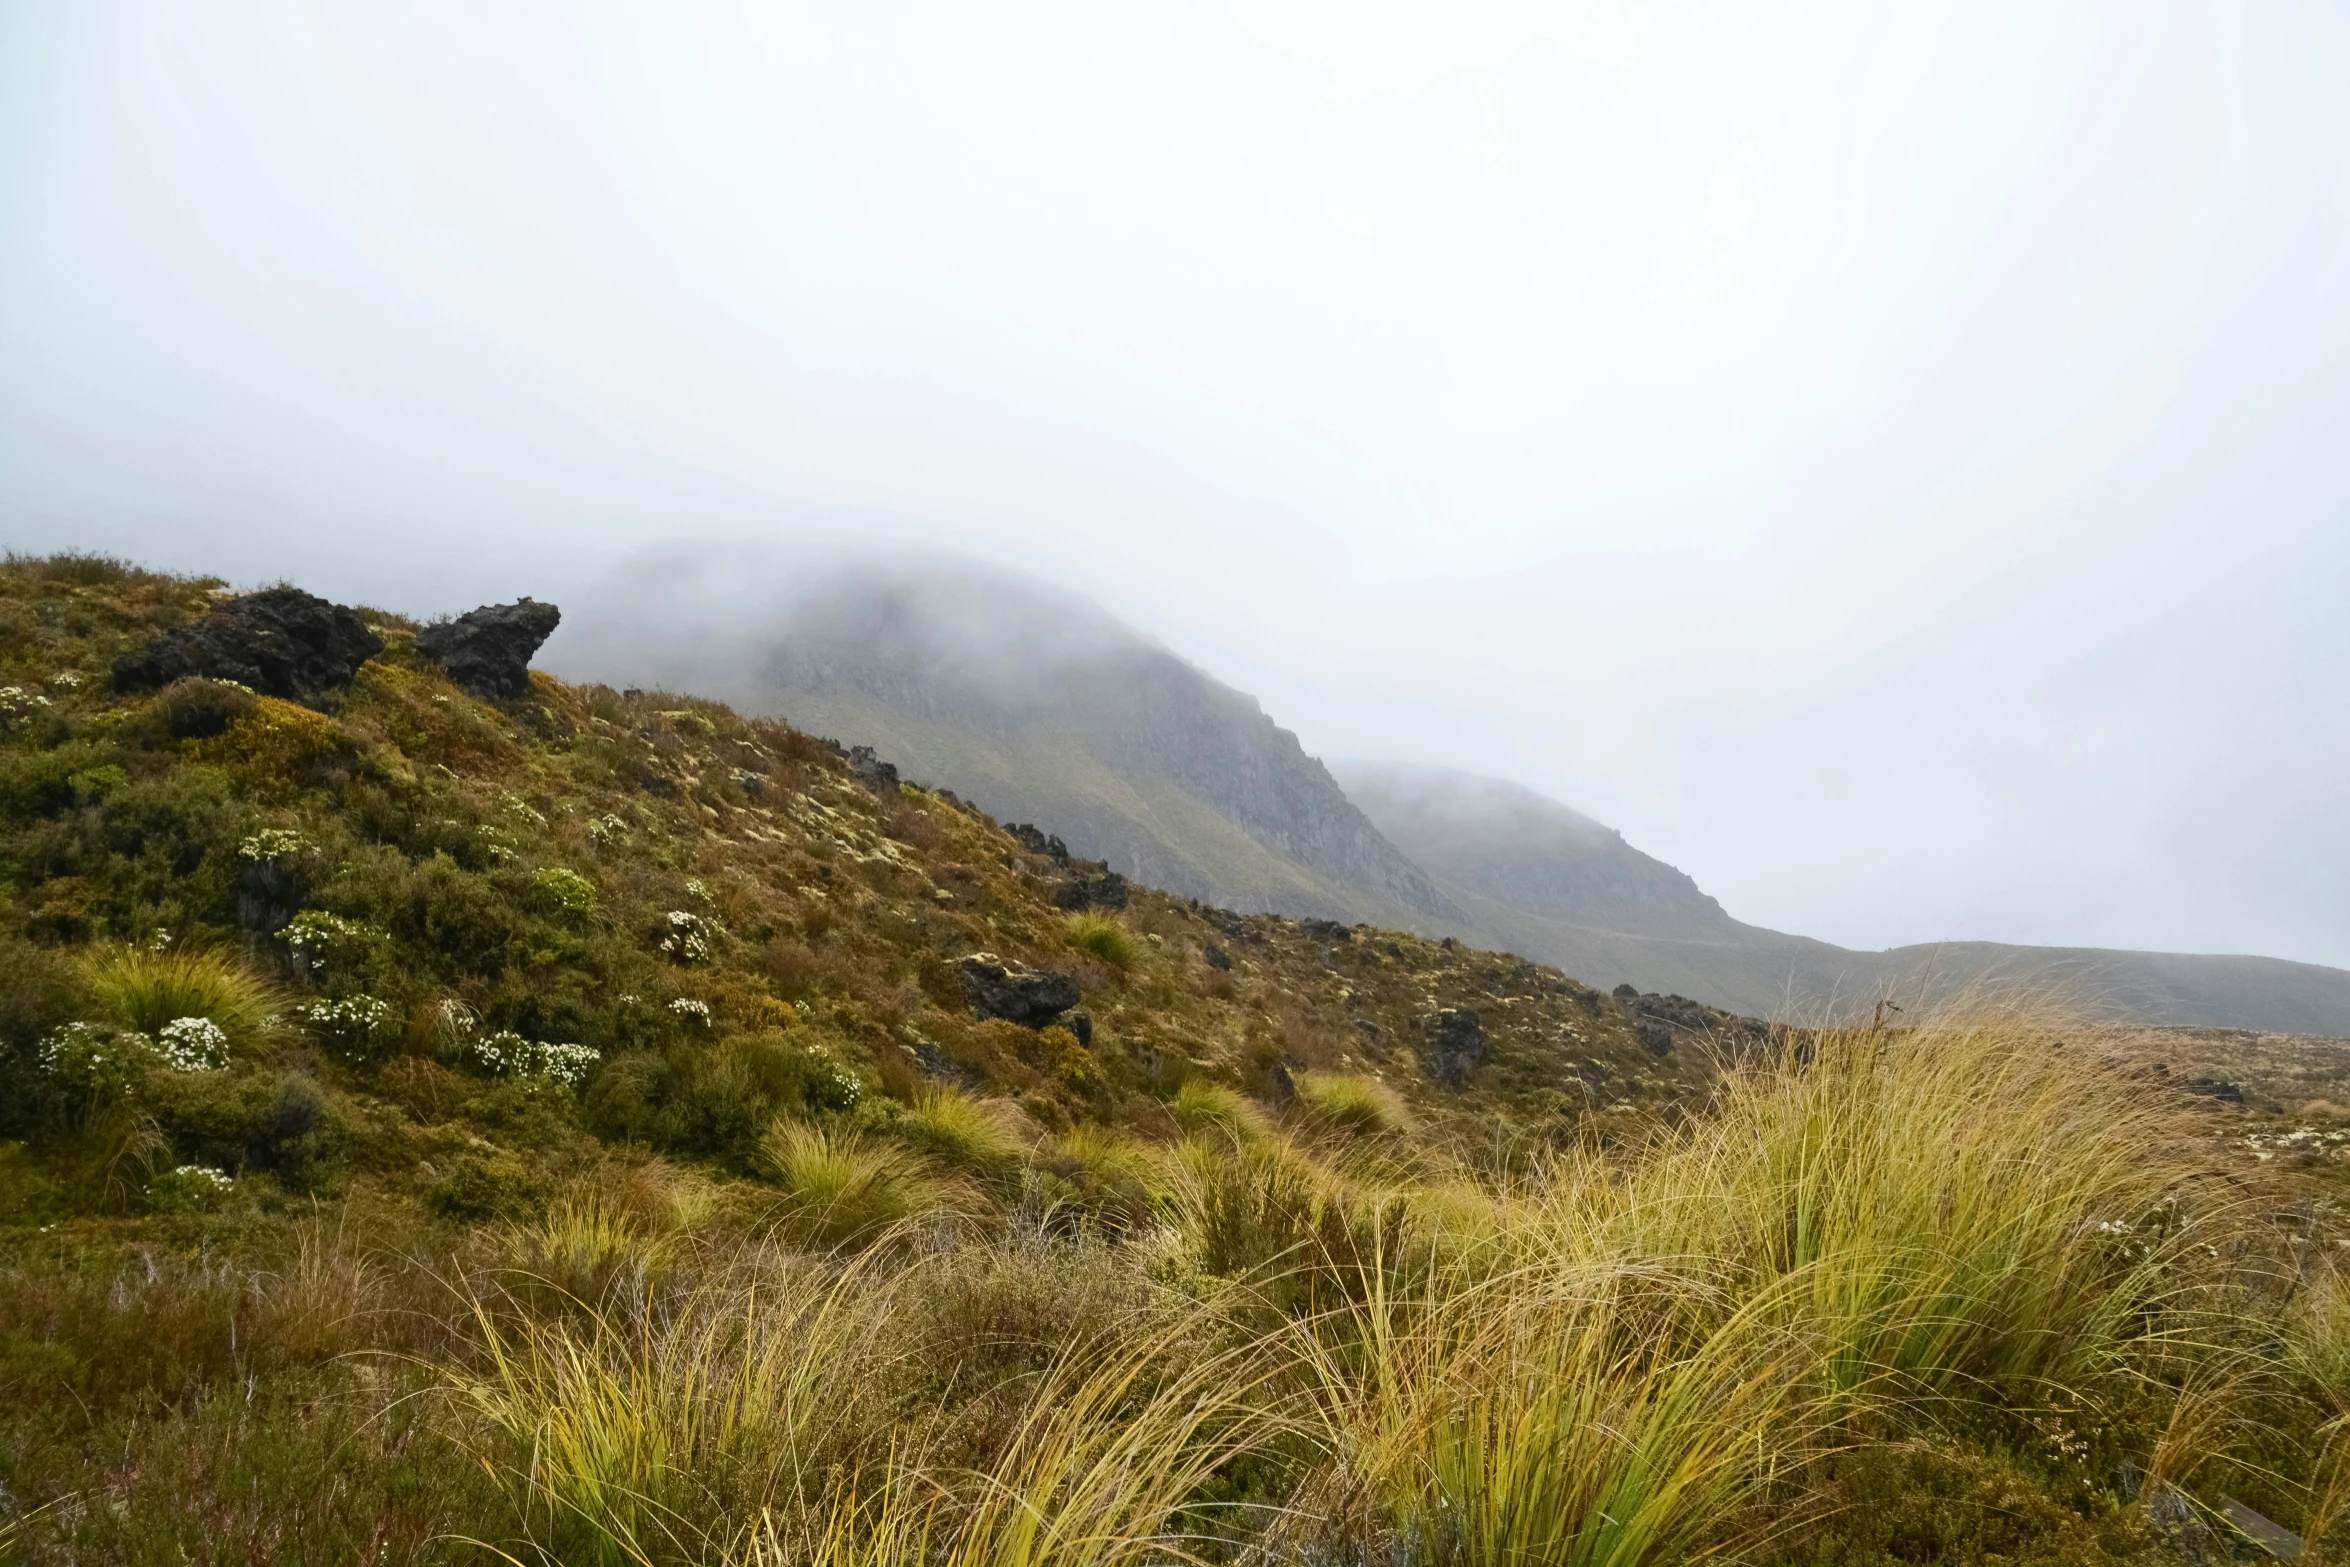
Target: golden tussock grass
{"type": "Point", "coordinates": [1617, 1360]}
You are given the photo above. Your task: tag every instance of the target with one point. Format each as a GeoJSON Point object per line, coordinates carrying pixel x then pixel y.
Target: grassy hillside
{"type": "Point", "coordinates": [563, 1129]}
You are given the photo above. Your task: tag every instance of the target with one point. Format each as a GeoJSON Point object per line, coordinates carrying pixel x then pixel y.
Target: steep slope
{"type": "Point", "coordinates": [1540, 879]}
{"type": "Point", "coordinates": [1028, 701]}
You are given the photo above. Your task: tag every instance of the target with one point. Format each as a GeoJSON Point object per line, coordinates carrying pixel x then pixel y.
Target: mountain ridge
{"type": "Point", "coordinates": [1038, 705]}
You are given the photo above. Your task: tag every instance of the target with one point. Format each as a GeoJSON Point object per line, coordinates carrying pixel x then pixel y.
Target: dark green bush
{"type": "Point", "coordinates": [477, 1187]}
{"type": "Point", "coordinates": [198, 709]}
{"type": "Point", "coordinates": [716, 1100]}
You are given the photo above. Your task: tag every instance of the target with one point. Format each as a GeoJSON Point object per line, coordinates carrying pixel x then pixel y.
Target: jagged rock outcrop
{"type": "Point", "coordinates": [1460, 1046]}
{"type": "Point", "coordinates": [874, 773]}
{"type": "Point", "coordinates": [281, 642]}
{"type": "Point", "coordinates": [1032, 998]}
{"type": "Point", "coordinates": [1659, 1022]}
{"type": "Point", "coordinates": [488, 650]}
{"type": "Point", "coordinates": [1037, 841]}
{"type": "Point", "coordinates": [1092, 889]}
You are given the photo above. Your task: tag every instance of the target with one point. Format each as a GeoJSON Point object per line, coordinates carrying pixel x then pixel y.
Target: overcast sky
{"type": "Point", "coordinates": [1894, 462]}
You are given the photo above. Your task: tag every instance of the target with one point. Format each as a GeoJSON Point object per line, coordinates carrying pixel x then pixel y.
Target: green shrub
{"type": "Point", "coordinates": [567, 891]}
{"type": "Point", "coordinates": [717, 1099]}
{"type": "Point", "coordinates": [1105, 936]}
{"type": "Point", "coordinates": [189, 1187]}
{"type": "Point", "coordinates": [145, 990]}
{"type": "Point", "coordinates": [199, 709]}
{"type": "Point", "coordinates": [492, 1186]}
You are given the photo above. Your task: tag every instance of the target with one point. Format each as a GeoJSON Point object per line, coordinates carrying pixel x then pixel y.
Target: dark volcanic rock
{"type": "Point", "coordinates": [1214, 956]}
{"type": "Point", "coordinates": [1460, 1045]}
{"type": "Point", "coordinates": [1036, 841]}
{"type": "Point", "coordinates": [874, 773]}
{"type": "Point", "coordinates": [1659, 1022]}
{"type": "Point", "coordinates": [269, 895]}
{"type": "Point", "coordinates": [282, 642]}
{"type": "Point", "coordinates": [1089, 890]}
{"type": "Point", "coordinates": [1024, 996]}
{"type": "Point", "coordinates": [488, 650]}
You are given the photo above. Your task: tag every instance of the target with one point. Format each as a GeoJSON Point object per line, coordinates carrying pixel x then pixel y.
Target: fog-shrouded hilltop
{"type": "Point", "coordinates": [1029, 701]}
{"type": "Point", "coordinates": [1039, 706]}
{"type": "Point", "coordinates": [1540, 879]}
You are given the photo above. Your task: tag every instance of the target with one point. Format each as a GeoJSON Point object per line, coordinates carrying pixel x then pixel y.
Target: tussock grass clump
{"type": "Point", "coordinates": [146, 990]}
{"type": "Point", "coordinates": [630, 1438]}
{"type": "Point", "coordinates": [1351, 1103]}
{"type": "Point", "coordinates": [1105, 936]}
{"type": "Point", "coordinates": [963, 1133]}
{"type": "Point", "coordinates": [841, 1188]}
{"type": "Point", "coordinates": [1963, 1204]}
{"type": "Point", "coordinates": [1101, 1174]}
{"type": "Point", "coordinates": [1204, 1108]}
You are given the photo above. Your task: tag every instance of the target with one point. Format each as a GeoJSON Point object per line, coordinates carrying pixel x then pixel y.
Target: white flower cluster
{"type": "Point", "coordinates": [496, 844]}
{"type": "Point", "coordinates": [508, 1054]}
{"type": "Point", "coordinates": [16, 702]}
{"type": "Point", "coordinates": [273, 843]}
{"type": "Point", "coordinates": [189, 1186]}
{"type": "Point", "coordinates": [315, 936]}
{"type": "Point", "coordinates": [69, 679]}
{"type": "Point", "coordinates": [688, 940]}
{"type": "Point", "coordinates": [571, 891]}
{"type": "Point", "coordinates": [687, 1007]}
{"type": "Point", "coordinates": [84, 1052]}
{"type": "Point", "coordinates": [606, 831]}
{"type": "Point", "coordinates": [521, 810]}
{"type": "Point", "coordinates": [352, 1022]}
{"type": "Point", "coordinates": [192, 1044]}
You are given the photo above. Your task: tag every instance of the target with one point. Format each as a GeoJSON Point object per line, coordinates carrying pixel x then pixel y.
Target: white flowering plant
{"type": "Point", "coordinates": [94, 1058]}
{"type": "Point", "coordinates": [16, 702]}
{"type": "Point", "coordinates": [691, 1010]}
{"type": "Point", "coordinates": [521, 810]}
{"type": "Point", "coordinates": [351, 1024]}
{"type": "Point", "coordinates": [829, 1085]}
{"type": "Point", "coordinates": [507, 1054]}
{"type": "Point", "coordinates": [689, 937]}
{"type": "Point", "coordinates": [320, 941]}
{"type": "Point", "coordinates": [192, 1044]}
{"type": "Point", "coordinates": [567, 889]}
{"type": "Point", "coordinates": [273, 843]}
{"type": "Point", "coordinates": [189, 1186]}
{"type": "Point", "coordinates": [607, 830]}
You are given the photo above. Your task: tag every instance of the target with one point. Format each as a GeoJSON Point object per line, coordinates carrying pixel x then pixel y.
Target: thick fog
{"type": "Point", "coordinates": [1888, 461]}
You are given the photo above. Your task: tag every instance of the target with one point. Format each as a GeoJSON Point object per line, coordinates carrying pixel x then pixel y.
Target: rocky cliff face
{"type": "Point", "coordinates": [1033, 704]}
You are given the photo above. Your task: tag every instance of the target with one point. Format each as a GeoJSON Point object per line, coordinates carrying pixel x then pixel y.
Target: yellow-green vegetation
{"type": "Point", "coordinates": [1106, 937]}
{"type": "Point", "coordinates": [1351, 1103]}
{"type": "Point", "coordinates": [149, 990]}
{"type": "Point", "coordinates": [599, 1160]}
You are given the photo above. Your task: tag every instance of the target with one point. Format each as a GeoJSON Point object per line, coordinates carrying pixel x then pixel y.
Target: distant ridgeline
{"type": "Point", "coordinates": [1036, 705]}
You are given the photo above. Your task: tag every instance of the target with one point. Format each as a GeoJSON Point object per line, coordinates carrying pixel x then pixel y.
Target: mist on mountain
{"type": "Point", "coordinates": [1024, 698]}
{"type": "Point", "coordinates": [1039, 706]}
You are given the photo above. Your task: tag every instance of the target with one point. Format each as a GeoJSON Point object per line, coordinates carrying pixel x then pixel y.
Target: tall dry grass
{"type": "Point", "coordinates": [1622, 1360]}
{"type": "Point", "coordinates": [144, 989]}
